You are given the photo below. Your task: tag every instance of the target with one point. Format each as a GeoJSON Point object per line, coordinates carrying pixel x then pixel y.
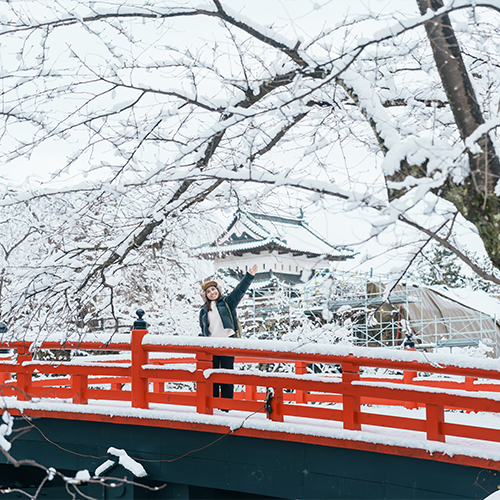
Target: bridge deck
{"type": "Point", "coordinates": [394, 441]}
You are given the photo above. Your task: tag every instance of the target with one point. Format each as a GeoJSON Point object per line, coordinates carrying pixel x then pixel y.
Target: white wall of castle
{"type": "Point", "coordinates": [279, 263]}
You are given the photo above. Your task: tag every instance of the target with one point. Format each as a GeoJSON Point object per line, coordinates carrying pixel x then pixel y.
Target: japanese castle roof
{"type": "Point", "coordinates": [255, 232]}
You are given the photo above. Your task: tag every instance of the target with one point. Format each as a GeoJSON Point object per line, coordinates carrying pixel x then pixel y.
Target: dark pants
{"type": "Point", "coordinates": [226, 390]}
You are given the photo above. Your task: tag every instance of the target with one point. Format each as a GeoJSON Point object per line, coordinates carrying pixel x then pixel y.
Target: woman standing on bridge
{"type": "Point", "coordinates": [218, 319]}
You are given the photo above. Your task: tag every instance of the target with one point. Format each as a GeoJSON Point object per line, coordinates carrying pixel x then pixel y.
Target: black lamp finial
{"type": "Point", "coordinates": [409, 343]}
{"type": "Point", "coordinates": [140, 324]}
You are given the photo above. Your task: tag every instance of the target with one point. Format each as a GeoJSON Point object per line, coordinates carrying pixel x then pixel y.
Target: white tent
{"type": "Point", "coordinates": [451, 317]}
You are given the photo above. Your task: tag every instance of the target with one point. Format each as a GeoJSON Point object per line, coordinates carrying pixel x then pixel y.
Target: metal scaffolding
{"type": "Point", "coordinates": [376, 314]}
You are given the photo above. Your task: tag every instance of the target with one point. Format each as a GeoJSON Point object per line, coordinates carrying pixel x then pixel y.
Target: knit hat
{"type": "Point", "coordinates": [208, 284]}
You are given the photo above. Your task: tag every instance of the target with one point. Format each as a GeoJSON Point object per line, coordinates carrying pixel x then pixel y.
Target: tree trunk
{"type": "Point", "coordinates": [475, 198]}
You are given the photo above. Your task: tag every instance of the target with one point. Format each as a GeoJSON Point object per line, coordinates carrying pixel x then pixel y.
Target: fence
{"type": "Point", "coordinates": [154, 361]}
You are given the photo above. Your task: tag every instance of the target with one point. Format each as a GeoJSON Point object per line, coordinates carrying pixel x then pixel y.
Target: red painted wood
{"type": "Point", "coordinates": [23, 373]}
{"type": "Point", "coordinates": [351, 403]}
{"type": "Point", "coordinates": [470, 432]}
{"type": "Point", "coordinates": [251, 392]}
{"type": "Point", "coordinates": [173, 398]}
{"type": "Point", "coordinates": [51, 392]}
{"type": "Point", "coordinates": [391, 421]}
{"type": "Point", "coordinates": [203, 387]}
{"type": "Point", "coordinates": [112, 395]}
{"type": "Point", "coordinates": [300, 369]}
{"type": "Point", "coordinates": [322, 413]}
{"type": "Point", "coordinates": [277, 415]}
{"type": "Point", "coordinates": [434, 421]}
{"type": "Point", "coordinates": [59, 368]}
{"type": "Point", "coordinates": [294, 390]}
{"type": "Point", "coordinates": [408, 378]}
{"type": "Point", "coordinates": [139, 380]}
{"type": "Point", "coordinates": [79, 384]}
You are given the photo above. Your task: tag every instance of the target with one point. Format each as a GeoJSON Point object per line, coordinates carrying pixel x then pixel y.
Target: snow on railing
{"type": "Point", "coordinates": [150, 365]}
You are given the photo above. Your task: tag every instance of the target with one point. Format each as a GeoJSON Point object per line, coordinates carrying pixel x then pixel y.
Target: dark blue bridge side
{"type": "Point", "coordinates": [231, 467]}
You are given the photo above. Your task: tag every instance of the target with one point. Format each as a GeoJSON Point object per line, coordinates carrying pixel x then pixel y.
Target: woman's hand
{"type": "Point", "coordinates": [253, 270]}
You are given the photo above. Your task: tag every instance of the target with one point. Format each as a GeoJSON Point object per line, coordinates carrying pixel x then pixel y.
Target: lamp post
{"type": "Point", "coordinates": [139, 358]}
{"type": "Point", "coordinates": [140, 324]}
{"type": "Point", "coordinates": [4, 329]}
{"type": "Point", "coordinates": [409, 343]}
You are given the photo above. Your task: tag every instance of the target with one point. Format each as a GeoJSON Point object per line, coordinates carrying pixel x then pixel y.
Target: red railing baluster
{"type": "Point", "coordinates": [350, 403]}
{"type": "Point", "coordinates": [24, 373]}
{"type": "Point", "coordinates": [434, 416]}
{"type": "Point", "coordinates": [469, 383]}
{"type": "Point", "coordinates": [203, 388]}
{"type": "Point", "coordinates": [4, 375]}
{"type": "Point", "coordinates": [79, 385]}
{"type": "Point", "coordinates": [158, 387]}
{"type": "Point", "coordinates": [251, 392]}
{"type": "Point", "coordinates": [277, 405]}
{"type": "Point", "coordinates": [116, 386]}
{"type": "Point", "coordinates": [408, 376]}
{"type": "Point", "coordinates": [469, 386]}
{"type": "Point", "coordinates": [300, 369]}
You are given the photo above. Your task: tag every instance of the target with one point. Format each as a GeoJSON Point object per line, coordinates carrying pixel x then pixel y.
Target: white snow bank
{"type": "Point", "coordinates": [128, 463]}
{"type": "Point", "coordinates": [190, 368]}
{"type": "Point", "coordinates": [104, 467]}
{"type": "Point", "coordinates": [6, 430]}
{"type": "Point", "coordinates": [83, 476]}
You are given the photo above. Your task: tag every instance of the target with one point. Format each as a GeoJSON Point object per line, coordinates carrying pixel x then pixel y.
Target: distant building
{"type": "Point", "coordinates": [286, 248]}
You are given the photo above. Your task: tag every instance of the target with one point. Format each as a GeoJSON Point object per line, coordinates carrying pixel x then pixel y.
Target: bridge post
{"type": "Point", "coordinates": [350, 403]}
{"type": "Point", "coordinates": [277, 405]}
{"type": "Point", "coordinates": [116, 386]}
{"type": "Point", "coordinates": [300, 369]}
{"type": "Point", "coordinates": [139, 358]}
{"type": "Point", "coordinates": [203, 388]}
{"type": "Point", "coordinates": [408, 376]}
{"type": "Point", "coordinates": [158, 387]}
{"type": "Point", "coordinates": [4, 376]}
{"type": "Point", "coordinates": [251, 392]}
{"type": "Point", "coordinates": [469, 386]}
{"type": "Point", "coordinates": [434, 416]}
{"type": "Point", "coordinates": [469, 383]}
{"type": "Point", "coordinates": [24, 375]}
{"type": "Point", "coordinates": [79, 384]}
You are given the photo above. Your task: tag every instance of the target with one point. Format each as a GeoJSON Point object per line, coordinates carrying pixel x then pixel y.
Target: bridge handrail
{"type": "Point", "coordinates": [348, 387]}
{"type": "Point", "coordinates": [282, 351]}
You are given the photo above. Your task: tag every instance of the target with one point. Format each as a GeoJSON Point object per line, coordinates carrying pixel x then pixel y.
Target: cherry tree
{"type": "Point", "coordinates": [151, 117]}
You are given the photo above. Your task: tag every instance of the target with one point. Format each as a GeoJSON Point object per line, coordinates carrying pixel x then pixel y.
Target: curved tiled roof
{"type": "Point", "coordinates": [250, 231]}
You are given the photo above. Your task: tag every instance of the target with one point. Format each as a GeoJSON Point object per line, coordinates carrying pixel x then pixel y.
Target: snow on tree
{"type": "Point", "coordinates": [152, 116]}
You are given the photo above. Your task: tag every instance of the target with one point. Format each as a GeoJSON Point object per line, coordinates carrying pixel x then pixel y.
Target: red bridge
{"type": "Point", "coordinates": [429, 427]}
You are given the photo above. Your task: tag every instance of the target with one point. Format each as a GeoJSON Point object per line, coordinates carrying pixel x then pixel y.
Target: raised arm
{"type": "Point", "coordinates": [234, 298]}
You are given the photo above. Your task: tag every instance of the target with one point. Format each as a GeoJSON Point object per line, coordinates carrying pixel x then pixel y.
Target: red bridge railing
{"type": "Point", "coordinates": [144, 378]}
